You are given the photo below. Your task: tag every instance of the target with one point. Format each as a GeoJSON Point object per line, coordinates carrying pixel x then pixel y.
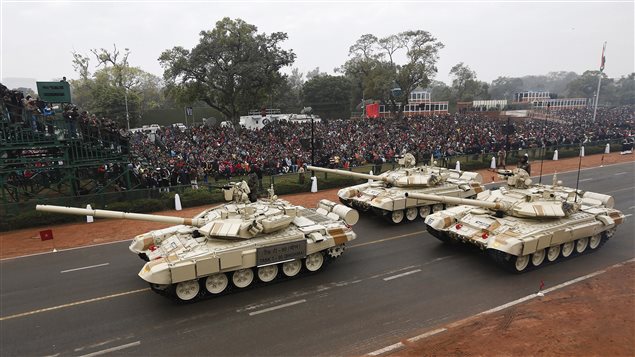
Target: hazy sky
{"type": "Point", "coordinates": [495, 38]}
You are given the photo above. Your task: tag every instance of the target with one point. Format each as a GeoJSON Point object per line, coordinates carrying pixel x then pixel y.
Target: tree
{"type": "Point", "coordinates": [373, 67]}
{"type": "Point", "coordinates": [586, 85]}
{"type": "Point", "coordinates": [505, 88]}
{"type": "Point", "coordinates": [232, 69]}
{"type": "Point", "coordinates": [104, 93]}
{"type": "Point", "coordinates": [329, 96]}
{"type": "Point", "coordinates": [288, 96]}
{"type": "Point", "coordinates": [625, 88]}
{"type": "Point", "coordinates": [465, 86]}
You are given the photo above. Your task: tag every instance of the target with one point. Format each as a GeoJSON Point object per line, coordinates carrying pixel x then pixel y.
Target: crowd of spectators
{"type": "Point", "coordinates": [30, 112]}
{"type": "Point", "coordinates": [173, 156]}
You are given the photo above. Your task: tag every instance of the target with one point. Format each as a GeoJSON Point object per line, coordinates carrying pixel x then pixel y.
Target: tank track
{"type": "Point", "coordinates": [507, 261]}
{"type": "Point", "coordinates": [170, 290]}
{"type": "Point", "coordinates": [442, 236]}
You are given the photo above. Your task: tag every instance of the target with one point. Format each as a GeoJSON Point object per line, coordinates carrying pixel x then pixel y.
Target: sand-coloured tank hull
{"type": "Point", "coordinates": [384, 194]}
{"type": "Point", "coordinates": [235, 245]}
{"type": "Point", "coordinates": [525, 226]}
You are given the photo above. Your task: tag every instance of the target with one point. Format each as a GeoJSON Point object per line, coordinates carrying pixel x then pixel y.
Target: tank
{"type": "Point", "coordinates": [236, 244]}
{"type": "Point", "coordinates": [384, 194]}
{"type": "Point", "coordinates": [523, 225]}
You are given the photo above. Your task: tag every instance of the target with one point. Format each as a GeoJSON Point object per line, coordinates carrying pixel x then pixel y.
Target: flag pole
{"type": "Point", "coordinates": [597, 94]}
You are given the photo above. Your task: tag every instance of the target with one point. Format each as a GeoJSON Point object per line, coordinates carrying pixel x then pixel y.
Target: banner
{"type": "Point", "coordinates": [372, 111]}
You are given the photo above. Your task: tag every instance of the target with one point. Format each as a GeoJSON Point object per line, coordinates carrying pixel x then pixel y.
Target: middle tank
{"type": "Point", "coordinates": [384, 194]}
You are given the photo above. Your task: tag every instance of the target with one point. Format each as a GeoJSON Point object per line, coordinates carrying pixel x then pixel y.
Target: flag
{"type": "Point", "coordinates": [46, 235]}
{"type": "Point", "coordinates": [603, 60]}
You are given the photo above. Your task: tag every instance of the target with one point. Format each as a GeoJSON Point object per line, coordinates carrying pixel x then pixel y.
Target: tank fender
{"type": "Point", "coordinates": [511, 246]}
{"type": "Point", "coordinates": [156, 272]}
{"type": "Point", "coordinates": [606, 220]}
{"type": "Point", "coordinates": [440, 221]}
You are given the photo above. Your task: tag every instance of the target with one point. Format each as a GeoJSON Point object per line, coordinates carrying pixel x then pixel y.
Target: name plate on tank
{"type": "Point", "coordinates": [280, 252]}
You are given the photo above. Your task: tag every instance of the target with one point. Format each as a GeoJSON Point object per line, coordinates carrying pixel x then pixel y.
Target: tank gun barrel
{"type": "Point", "coordinates": [350, 174]}
{"type": "Point", "coordinates": [496, 206]}
{"type": "Point", "coordinates": [117, 214]}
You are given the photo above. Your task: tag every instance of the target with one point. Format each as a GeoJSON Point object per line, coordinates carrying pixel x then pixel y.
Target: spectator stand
{"type": "Point", "coordinates": [51, 151]}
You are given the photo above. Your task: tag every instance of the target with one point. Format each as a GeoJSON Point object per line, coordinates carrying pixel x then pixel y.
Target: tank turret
{"type": "Point", "coordinates": [384, 193]}
{"type": "Point", "coordinates": [523, 225]}
{"type": "Point", "coordinates": [234, 243]}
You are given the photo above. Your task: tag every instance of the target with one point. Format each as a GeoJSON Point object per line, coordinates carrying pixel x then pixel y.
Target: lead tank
{"type": "Point", "coordinates": [236, 244]}
{"type": "Point", "coordinates": [523, 226]}
{"type": "Point", "coordinates": [384, 194]}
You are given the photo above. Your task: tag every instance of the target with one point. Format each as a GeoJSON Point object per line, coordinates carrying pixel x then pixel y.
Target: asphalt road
{"type": "Point", "coordinates": [392, 282]}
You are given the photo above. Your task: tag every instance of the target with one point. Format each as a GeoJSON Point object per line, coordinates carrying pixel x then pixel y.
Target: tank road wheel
{"type": "Point", "coordinates": [411, 213]}
{"type": "Point", "coordinates": [216, 283]}
{"type": "Point", "coordinates": [521, 263]}
{"type": "Point", "coordinates": [567, 249]}
{"type": "Point", "coordinates": [396, 216]}
{"type": "Point", "coordinates": [268, 273]}
{"type": "Point", "coordinates": [538, 257]}
{"type": "Point", "coordinates": [335, 252]}
{"type": "Point", "coordinates": [292, 268]}
{"type": "Point", "coordinates": [313, 262]}
{"type": "Point", "coordinates": [595, 240]}
{"type": "Point", "coordinates": [581, 244]}
{"type": "Point", "coordinates": [553, 253]}
{"type": "Point", "coordinates": [243, 278]}
{"type": "Point", "coordinates": [437, 207]}
{"type": "Point", "coordinates": [424, 211]}
{"type": "Point", "coordinates": [187, 290]}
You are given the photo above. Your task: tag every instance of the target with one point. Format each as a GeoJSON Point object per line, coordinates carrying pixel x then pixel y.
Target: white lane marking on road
{"type": "Point", "coordinates": [589, 179]}
{"type": "Point", "coordinates": [620, 190]}
{"type": "Point", "coordinates": [82, 268]}
{"type": "Point", "coordinates": [67, 249]}
{"type": "Point", "coordinates": [620, 173]}
{"type": "Point", "coordinates": [386, 239]}
{"type": "Point", "coordinates": [394, 271]}
{"type": "Point", "coordinates": [71, 304]}
{"type": "Point", "coordinates": [402, 274]}
{"type": "Point", "coordinates": [112, 349]}
{"type": "Point", "coordinates": [427, 334]}
{"type": "Point", "coordinates": [387, 349]}
{"type": "Point", "coordinates": [99, 344]}
{"type": "Point", "coordinates": [631, 207]}
{"type": "Point", "coordinates": [277, 307]}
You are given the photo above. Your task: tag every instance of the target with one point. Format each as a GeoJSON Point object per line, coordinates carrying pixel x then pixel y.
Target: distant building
{"type": "Point", "coordinates": [531, 96]}
{"type": "Point", "coordinates": [419, 104]}
{"type": "Point", "coordinates": [544, 100]}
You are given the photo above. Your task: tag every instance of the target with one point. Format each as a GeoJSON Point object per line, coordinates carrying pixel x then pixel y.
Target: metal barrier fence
{"type": "Point", "coordinates": [156, 199]}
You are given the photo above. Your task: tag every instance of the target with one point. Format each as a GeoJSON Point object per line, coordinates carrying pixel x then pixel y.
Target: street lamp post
{"type": "Point", "coordinates": [307, 111]}
{"type": "Point", "coordinates": [127, 113]}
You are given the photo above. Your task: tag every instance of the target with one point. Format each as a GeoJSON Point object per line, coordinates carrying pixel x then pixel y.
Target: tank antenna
{"type": "Point", "coordinates": [543, 149]}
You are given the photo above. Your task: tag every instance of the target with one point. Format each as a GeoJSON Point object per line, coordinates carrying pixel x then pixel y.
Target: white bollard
{"type": "Point", "coordinates": [607, 149]}
{"type": "Point", "coordinates": [370, 173]}
{"type": "Point", "coordinates": [458, 166]}
{"type": "Point", "coordinates": [89, 219]}
{"type": "Point", "coordinates": [314, 184]}
{"type": "Point", "coordinates": [493, 164]}
{"type": "Point", "coordinates": [555, 155]}
{"type": "Point", "coordinates": [177, 202]}
{"type": "Point", "coordinates": [582, 151]}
